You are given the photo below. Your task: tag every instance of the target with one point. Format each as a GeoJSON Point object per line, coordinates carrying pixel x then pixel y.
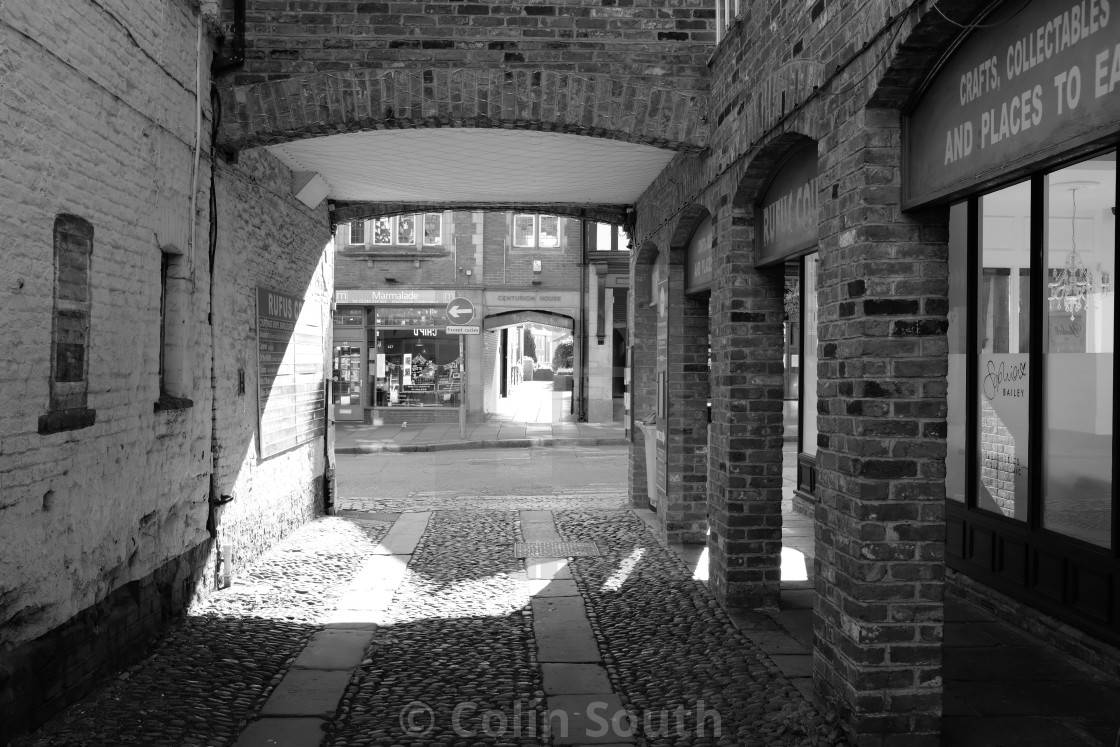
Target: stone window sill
{"type": "Point", "coordinates": [166, 403]}
{"type": "Point", "coordinates": [57, 421]}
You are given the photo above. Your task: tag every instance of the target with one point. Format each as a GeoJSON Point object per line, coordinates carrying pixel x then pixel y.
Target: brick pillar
{"type": "Point", "coordinates": [880, 520]}
{"type": "Point", "coordinates": [745, 493]}
{"type": "Point", "coordinates": [643, 359]}
{"type": "Point", "coordinates": [685, 514]}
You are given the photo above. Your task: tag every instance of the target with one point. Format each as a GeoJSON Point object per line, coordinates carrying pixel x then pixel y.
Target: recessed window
{"type": "Point", "coordinates": [534, 231]}
{"type": "Point", "coordinates": [70, 327]}
{"type": "Point", "coordinates": [357, 232]}
{"type": "Point", "coordinates": [173, 302]}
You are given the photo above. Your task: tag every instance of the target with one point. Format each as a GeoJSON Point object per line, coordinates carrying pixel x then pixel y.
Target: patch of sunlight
{"type": "Point", "coordinates": [422, 598]}
{"type": "Point", "coordinates": [700, 570]}
{"type": "Point", "coordinates": [793, 565]}
{"type": "Point", "coordinates": [625, 568]}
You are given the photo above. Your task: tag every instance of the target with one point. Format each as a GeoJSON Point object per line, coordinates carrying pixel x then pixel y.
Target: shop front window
{"type": "Point", "coordinates": [415, 368]}
{"type": "Point", "coordinates": [1031, 300]}
{"type": "Point", "coordinates": [809, 356]}
{"type": "Point", "coordinates": [1004, 347]}
{"type": "Point", "coordinates": [1080, 331]}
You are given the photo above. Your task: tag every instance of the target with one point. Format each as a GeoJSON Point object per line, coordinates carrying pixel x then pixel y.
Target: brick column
{"type": "Point", "coordinates": [745, 493]}
{"type": "Point", "coordinates": [643, 359]}
{"type": "Point", "coordinates": [880, 520]}
{"type": "Point", "coordinates": [685, 514]}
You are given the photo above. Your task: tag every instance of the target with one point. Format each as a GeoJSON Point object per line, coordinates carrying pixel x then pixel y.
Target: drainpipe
{"type": "Point", "coordinates": [581, 407]}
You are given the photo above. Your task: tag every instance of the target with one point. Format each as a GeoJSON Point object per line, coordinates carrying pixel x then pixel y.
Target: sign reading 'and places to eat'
{"type": "Point", "coordinates": [1038, 78]}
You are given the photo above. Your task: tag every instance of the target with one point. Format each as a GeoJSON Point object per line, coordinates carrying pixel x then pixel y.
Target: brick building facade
{"type": "Point", "coordinates": [523, 273]}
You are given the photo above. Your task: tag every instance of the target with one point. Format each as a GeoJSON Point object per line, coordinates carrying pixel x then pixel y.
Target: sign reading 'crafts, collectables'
{"type": "Point", "coordinates": [291, 372]}
{"type": "Point", "coordinates": [1037, 78]}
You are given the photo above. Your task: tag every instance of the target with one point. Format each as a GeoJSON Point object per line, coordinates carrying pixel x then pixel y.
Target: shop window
{"type": "Point", "coordinates": [70, 327]}
{"type": "Point", "coordinates": [533, 231]}
{"type": "Point", "coordinates": [1031, 300]}
{"type": "Point", "coordinates": [173, 298]}
{"type": "Point", "coordinates": [402, 230]}
{"type": "Point", "coordinates": [418, 367]}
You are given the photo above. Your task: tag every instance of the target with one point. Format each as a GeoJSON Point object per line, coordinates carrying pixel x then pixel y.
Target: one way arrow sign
{"type": "Point", "coordinates": [460, 311]}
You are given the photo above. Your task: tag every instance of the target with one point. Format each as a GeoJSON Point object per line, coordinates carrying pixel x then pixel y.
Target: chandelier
{"type": "Point", "coordinates": [1073, 284]}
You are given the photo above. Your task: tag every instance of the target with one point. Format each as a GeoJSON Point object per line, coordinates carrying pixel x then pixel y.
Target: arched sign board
{"type": "Point", "coordinates": [788, 209]}
{"type": "Point", "coordinates": [1038, 79]}
{"type": "Point", "coordinates": [510, 318]}
{"type": "Point", "coordinates": [698, 264]}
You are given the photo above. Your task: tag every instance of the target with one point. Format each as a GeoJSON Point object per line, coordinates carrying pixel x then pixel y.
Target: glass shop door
{"type": "Point", "coordinates": [347, 375]}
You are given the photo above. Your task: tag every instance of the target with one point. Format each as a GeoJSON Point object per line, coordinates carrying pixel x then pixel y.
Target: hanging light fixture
{"type": "Point", "coordinates": [1072, 284]}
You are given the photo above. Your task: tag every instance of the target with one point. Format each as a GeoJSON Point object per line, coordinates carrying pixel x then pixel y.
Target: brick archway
{"type": "Point", "coordinates": [330, 103]}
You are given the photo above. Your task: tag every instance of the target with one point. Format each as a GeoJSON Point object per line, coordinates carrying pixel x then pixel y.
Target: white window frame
{"type": "Point", "coordinates": [727, 11]}
{"type": "Point", "coordinates": [535, 246]}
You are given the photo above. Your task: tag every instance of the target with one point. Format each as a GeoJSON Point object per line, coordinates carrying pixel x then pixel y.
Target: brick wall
{"type": "Point", "coordinates": [278, 244]}
{"type": "Point", "coordinates": [80, 513]}
{"type": "Point", "coordinates": [103, 527]}
{"type": "Point", "coordinates": [640, 39]}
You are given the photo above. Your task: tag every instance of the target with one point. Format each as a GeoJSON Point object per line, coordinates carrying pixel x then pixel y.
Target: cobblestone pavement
{"type": "Point", "coordinates": [211, 672]}
{"type": "Point", "coordinates": [454, 659]}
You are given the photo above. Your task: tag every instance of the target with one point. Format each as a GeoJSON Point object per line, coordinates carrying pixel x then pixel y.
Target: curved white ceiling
{"type": "Point", "coordinates": [477, 166]}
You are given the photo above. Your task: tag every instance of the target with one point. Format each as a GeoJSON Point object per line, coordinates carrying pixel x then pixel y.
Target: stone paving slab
{"type": "Point", "coordinates": [282, 732]}
{"type": "Point", "coordinates": [557, 645]}
{"type": "Point", "coordinates": [405, 534]}
{"type": "Point", "coordinates": [307, 692]}
{"type": "Point", "coordinates": [334, 649]}
{"type": "Point", "coordinates": [548, 569]}
{"type": "Point", "coordinates": [591, 719]}
{"type": "Point", "coordinates": [575, 679]}
{"type": "Point", "coordinates": [553, 588]}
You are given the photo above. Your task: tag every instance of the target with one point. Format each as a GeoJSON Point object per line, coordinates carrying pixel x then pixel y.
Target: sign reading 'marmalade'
{"type": "Point", "coordinates": [1037, 79]}
{"type": "Point", "coordinates": [291, 372]}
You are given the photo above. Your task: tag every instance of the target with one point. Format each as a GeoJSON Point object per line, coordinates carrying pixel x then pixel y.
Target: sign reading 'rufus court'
{"type": "Point", "coordinates": [1038, 78]}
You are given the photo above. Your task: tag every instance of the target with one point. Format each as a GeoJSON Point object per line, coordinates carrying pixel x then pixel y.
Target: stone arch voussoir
{"type": "Point", "coordinates": [273, 112]}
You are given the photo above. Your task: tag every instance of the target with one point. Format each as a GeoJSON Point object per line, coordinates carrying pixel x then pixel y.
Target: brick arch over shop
{"type": "Point", "coordinates": [331, 103]}
{"type": "Point", "coordinates": [924, 41]}
{"type": "Point", "coordinates": [684, 348]}
{"type": "Point", "coordinates": [747, 392]}
{"type": "Point", "coordinates": [758, 172]}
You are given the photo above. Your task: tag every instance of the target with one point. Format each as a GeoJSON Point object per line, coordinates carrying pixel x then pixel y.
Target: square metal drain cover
{"type": "Point", "coordinates": [555, 550]}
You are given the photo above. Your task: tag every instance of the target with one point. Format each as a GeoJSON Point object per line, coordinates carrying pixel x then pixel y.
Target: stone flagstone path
{"type": "Point", "coordinates": [421, 627]}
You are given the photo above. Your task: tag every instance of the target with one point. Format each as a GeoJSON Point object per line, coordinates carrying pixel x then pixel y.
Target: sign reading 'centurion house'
{"type": "Point", "coordinates": [1039, 78]}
